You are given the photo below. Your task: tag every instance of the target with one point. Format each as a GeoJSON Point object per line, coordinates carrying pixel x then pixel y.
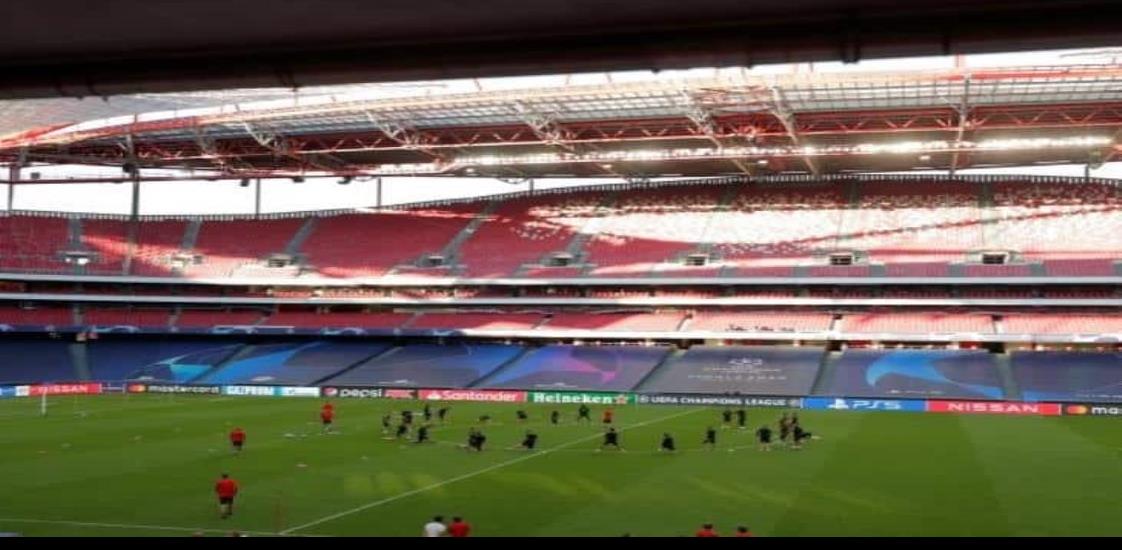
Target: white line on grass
{"type": "Point", "coordinates": [468, 475]}
{"type": "Point", "coordinates": [131, 526]}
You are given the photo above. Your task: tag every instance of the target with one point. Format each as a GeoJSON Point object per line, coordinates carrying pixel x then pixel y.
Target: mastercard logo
{"type": "Point", "coordinates": [1076, 409]}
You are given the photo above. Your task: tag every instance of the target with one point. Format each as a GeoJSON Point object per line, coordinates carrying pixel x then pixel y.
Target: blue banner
{"type": "Point", "coordinates": [7, 391]}
{"type": "Point", "coordinates": [841, 404]}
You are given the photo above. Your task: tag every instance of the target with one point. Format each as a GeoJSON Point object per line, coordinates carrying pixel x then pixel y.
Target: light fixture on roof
{"type": "Point", "coordinates": [761, 162]}
{"type": "Point", "coordinates": [297, 179]}
{"type": "Point", "coordinates": [244, 182]}
{"type": "Point", "coordinates": [925, 158]}
{"type": "Point", "coordinates": [469, 170]}
{"type": "Point", "coordinates": [346, 180]}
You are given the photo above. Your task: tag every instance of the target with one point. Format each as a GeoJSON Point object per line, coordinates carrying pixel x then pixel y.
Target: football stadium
{"type": "Point", "coordinates": [828, 297]}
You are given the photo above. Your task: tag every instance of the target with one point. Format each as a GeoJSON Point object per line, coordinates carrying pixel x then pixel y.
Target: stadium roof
{"type": "Point", "coordinates": [734, 122]}
{"type": "Point", "coordinates": [51, 48]}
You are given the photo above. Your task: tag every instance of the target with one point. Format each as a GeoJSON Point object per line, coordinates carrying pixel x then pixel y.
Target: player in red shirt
{"type": "Point", "coordinates": [237, 439]}
{"type": "Point", "coordinates": [327, 415]}
{"type": "Point", "coordinates": [743, 531]}
{"type": "Point", "coordinates": [227, 489]}
{"type": "Point", "coordinates": [608, 416]}
{"type": "Point", "coordinates": [459, 528]}
{"type": "Point", "coordinates": [707, 531]}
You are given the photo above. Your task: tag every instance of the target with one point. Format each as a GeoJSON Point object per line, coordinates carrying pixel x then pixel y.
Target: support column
{"type": "Point", "coordinates": [378, 191]}
{"type": "Point", "coordinates": [13, 177]}
{"type": "Point", "coordinates": [257, 199]}
{"type": "Point", "coordinates": [134, 211]}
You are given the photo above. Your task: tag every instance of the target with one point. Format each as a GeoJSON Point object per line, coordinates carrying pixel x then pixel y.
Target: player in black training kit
{"type": "Point", "coordinates": [530, 441]}
{"type": "Point", "coordinates": [428, 412]}
{"type": "Point", "coordinates": [799, 434]}
{"type": "Point", "coordinates": [402, 431]}
{"type": "Point", "coordinates": [387, 420]}
{"type": "Point", "coordinates": [784, 428]}
{"type": "Point", "coordinates": [522, 416]}
{"type": "Point", "coordinates": [710, 438]}
{"type": "Point", "coordinates": [583, 413]}
{"type": "Point", "coordinates": [555, 417]}
{"type": "Point", "coordinates": [726, 418]}
{"type": "Point", "coordinates": [407, 417]}
{"type": "Point", "coordinates": [440, 414]}
{"type": "Point", "coordinates": [476, 439]}
{"type": "Point", "coordinates": [611, 439]}
{"type": "Point", "coordinates": [423, 434]}
{"type": "Point", "coordinates": [763, 435]}
{"type": "Point", "coordinates": [741, 418]}
{"type": "Point", "coordinates": [667, 444]}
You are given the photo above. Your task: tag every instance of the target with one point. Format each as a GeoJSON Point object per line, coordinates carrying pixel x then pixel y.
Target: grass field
{"type": "Point", "coordinates": [145, 465]}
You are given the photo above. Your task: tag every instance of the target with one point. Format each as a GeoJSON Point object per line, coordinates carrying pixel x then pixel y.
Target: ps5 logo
{"type": "Point", "coordinates": [865, 405]}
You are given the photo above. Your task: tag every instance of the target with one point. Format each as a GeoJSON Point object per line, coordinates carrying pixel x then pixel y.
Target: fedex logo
{"type": "Point", "coordinates": [841, 404]}
{"type": "Point", "coordinates": [249, 390]}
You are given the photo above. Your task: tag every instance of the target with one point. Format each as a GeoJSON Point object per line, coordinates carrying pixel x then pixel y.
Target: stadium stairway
{"type": "Point", "coordinates": [451, 251]}
{"type": "Point", "coordinates": [376, 357]}
{"type": "Point", "coordinates": [653, 375]}
{"type": "Point", "coordinates": [591, 226]}
{"type": "Point", "coordinates": [80, 359]}
{"type": "Point", "coordinates": [524, 353]}
{"type": "Point", "coordinates": [74, 228]}
{"type": "Point", "coordinates": [297, 241]}
{"type": "Point", "coordinates": [825, 371]}
{"type": "Point", "coordinates": [409, 322]}
{"type": "Point", "coordinates": [852, 205]}
{"type": "Point", "coordinates": [238, 353]}
{"type": "Point", "coordinates": [705, 243]}
{"type": "Point", "coordinates": [191, 235]}
{"type": "Point", "coordinates": [1004, 365]}
{"type": "Point", "coordinates": [575, 247]}
{"type": "Point", "coordinates": [74, 242]}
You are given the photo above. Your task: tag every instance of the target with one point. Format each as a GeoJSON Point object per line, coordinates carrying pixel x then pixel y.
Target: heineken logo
{"type": "Point", "coordinates": [578, 398]}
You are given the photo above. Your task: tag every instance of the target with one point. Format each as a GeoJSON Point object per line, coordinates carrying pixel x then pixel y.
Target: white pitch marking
{"type": "Point", "coordinates": [468, 475]}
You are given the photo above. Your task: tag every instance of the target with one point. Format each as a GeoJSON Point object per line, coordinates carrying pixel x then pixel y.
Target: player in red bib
{"type": "Point", "coordinates": [227, 489]}
{"type": "Point", "coordinates": [459, 528]}
{"type": "Point", "coordinates": [237, 439]}
{"type": "Point", "coordinates": [743, 531]}
{"type": "Point", "coordinates": [707, 531]}
{"type": "Point", "coordinates": [608, 414]}
{"type": "Point", "coordinates": [327, 416]}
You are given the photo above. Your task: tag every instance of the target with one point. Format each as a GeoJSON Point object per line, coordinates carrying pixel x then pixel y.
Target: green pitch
{"type": "Point", "coordinates": [145, 465]}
